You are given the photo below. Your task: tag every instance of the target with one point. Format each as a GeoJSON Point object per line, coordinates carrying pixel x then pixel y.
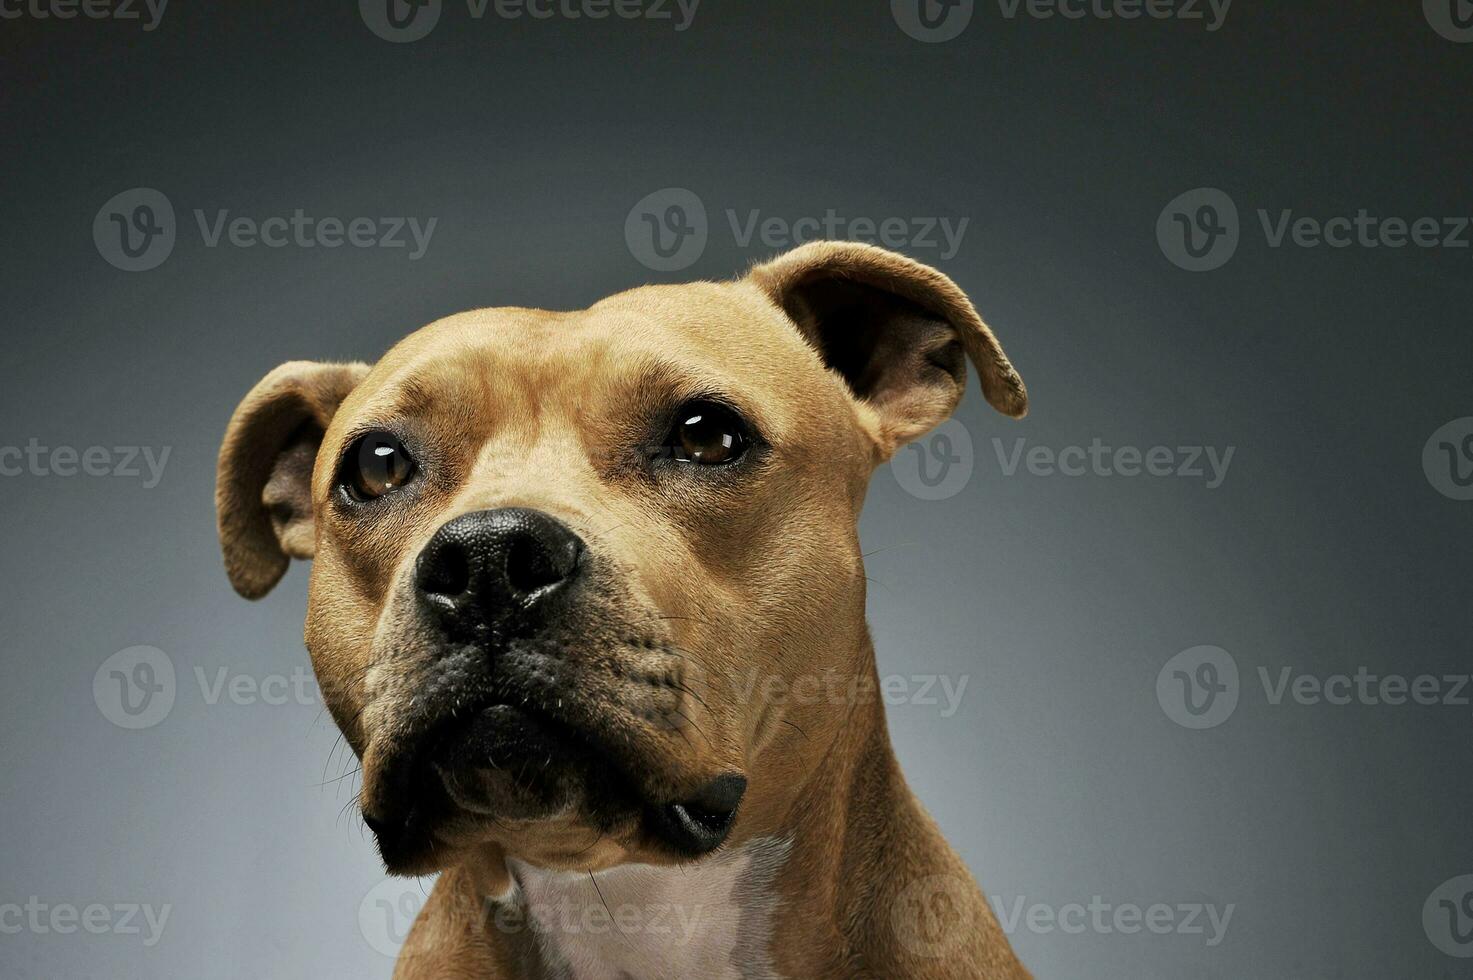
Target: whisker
{"type": "Point", "coordinates": [606, 906]}
{"type": "Point", "coordinates": [795, 727]}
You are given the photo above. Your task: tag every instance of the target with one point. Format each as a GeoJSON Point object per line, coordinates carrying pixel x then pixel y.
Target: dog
{"type": "Point", "coordinates": [587, 602]}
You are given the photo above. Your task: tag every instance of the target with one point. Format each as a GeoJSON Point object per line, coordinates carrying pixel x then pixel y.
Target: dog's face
{"type": "Point", "coordinates": [569, 566]}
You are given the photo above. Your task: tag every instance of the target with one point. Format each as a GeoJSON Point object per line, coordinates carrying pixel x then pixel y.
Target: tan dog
{"type": "Point", "coordinates": [588, 604]}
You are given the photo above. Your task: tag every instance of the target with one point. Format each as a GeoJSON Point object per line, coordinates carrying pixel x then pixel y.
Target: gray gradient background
{"type": "Point", "coordinates": [1060, 778]}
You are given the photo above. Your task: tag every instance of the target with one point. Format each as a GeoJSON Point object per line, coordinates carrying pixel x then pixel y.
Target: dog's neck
{"type": "Point", "coordinates": [643, 921]}
{"type": "Point", "coordinates": [787, 903]}
{"type": "Point", "coordinates": [728, 913]}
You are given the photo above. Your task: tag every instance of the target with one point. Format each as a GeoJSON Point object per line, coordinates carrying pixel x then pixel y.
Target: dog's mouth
{"type": "Point", "coordinates": [514, 764]}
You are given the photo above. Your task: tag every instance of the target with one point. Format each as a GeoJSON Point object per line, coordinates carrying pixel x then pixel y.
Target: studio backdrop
{"type": "Point", "coordinates": [1179, 662]}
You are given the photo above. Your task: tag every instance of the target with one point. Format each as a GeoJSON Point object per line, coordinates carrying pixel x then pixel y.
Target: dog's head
{"type": "Point", "coordinates": [561, 557]}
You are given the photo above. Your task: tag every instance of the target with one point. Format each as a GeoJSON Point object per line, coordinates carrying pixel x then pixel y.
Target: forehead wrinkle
{"type": "Point", "coordinates": [636, 361]}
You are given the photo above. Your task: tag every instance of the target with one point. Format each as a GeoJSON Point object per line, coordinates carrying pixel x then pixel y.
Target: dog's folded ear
{"type": "Point", "coordinates": [263, 488]}
{"type": "Point", "coordinates": [896, 330]}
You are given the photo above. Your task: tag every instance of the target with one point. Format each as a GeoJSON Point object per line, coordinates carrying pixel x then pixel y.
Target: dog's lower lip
{"type": "Point", "coordinates": [491, 738]}
{"type": "Point", "coordinates": [379, 827]}
{"type": "Point", "coordinates": [401, 836]}
{"type": "Point", "coordinates": [709, 822]}
{"type": "Point", "coordinates": [405, 812]}
{"type": "Point", "coordinates": [698, 826]}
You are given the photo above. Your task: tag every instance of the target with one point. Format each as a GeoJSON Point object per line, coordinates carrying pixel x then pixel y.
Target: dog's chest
{"type": "Point", "coordinates": [711, 920]}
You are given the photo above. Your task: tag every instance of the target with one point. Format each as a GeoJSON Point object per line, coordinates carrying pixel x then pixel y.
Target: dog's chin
{"type": "Point", "coordinates": [510, 764]}
{"type": "Point", "coordinates": [468, 779]}
{"type": "Point", "coordinates": [539, 790]}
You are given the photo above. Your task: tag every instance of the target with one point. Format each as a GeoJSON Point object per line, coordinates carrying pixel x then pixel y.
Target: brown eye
{"type": "Point", "coordinates": [377, 464]}
{"type": "Point", "coordinates": [708, 433]}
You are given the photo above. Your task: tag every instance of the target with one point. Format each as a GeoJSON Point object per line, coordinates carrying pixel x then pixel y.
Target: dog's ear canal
{"type": "Point", "coordinates": [263, 488]}
{"type": "Point", "coordinates": [899, 332]}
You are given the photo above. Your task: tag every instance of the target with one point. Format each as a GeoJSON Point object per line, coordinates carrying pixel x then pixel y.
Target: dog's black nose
{"type": "Point", "coordinates": [491, 565]}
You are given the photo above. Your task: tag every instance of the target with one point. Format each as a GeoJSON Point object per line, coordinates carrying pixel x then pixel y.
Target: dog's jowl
{"type": "Point", "coordinates": [550, 550]}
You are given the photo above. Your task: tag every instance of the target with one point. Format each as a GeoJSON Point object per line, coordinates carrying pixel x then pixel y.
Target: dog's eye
{"type": "Point", "coordinates": [377, 464]}
{"type": "Point", "coordinates": [709, 433]}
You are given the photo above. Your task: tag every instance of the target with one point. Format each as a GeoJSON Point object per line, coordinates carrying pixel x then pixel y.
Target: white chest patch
{"type": "Point", "coordinates": [711, 920]}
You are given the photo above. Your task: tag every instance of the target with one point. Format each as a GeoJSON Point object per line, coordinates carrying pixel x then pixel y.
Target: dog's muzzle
{"type": "Point", "coordinates": [520, 712]}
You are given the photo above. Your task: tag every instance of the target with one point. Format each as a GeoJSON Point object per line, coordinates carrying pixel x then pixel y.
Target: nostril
{"type": "Point", "coordinates": [444, 571]}
{"type": "Point", "coordinates": [533, 564]}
